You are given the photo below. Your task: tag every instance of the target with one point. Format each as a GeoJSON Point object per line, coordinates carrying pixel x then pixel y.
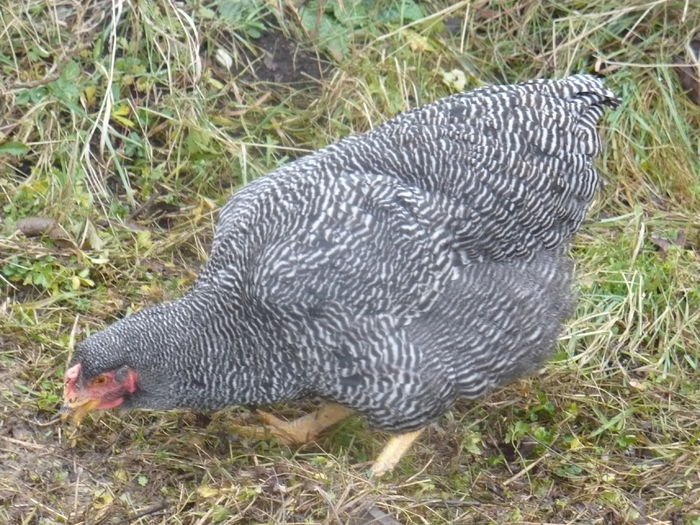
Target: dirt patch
{"type": "Point", "coordinates": [274, 58]}
{"type": "Point", "coordinates": [285, 61]}
{"type": "Point", "coordinates": [51, 475]}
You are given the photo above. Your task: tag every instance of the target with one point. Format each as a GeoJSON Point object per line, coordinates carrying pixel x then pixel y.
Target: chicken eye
{"type": "Point", "coordinates": [99, 380]}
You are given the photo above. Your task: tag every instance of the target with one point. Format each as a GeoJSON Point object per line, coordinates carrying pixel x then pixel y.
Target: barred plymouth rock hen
{"type": "Point", "coordinates": [389, 273]}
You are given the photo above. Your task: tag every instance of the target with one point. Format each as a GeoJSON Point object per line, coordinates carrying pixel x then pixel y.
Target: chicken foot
{"type": "Point", "coordinates": [392, 453]}
{"type": "Point", "coordinates": [298, 431]}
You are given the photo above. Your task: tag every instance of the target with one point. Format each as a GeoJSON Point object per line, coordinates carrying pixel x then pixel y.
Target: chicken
{"type": "Point", "coordinates": [388, 274]}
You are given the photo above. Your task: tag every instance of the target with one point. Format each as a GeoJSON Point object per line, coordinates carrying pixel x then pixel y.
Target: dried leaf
{"type": "Point", "coordinates": [373, 515]}
{"type": "Point", "coordinates": [455, 79]}
{"type": "Point", "coordinates": [664, 243]}
{"type": "Point", "coordinates": [38, 226]}
{"type": "Point", "coordinates": [121, 475]}
{"type": "Point", "coordinates": [207, 491]}
{"type": "Point", "coordinates": [90, 95]}
{"type": "Point", "coordinates": [224, 58]}
{"type": "Point", "coordinates": [120, 113]}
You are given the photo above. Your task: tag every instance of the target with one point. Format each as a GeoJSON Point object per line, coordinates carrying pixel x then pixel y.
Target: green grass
{"type": "Point", "coordinates": [131, 135]}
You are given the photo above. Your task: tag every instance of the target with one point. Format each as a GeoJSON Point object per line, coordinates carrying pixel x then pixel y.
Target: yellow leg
{"type": "Point", "coordinates": [301, 430]}
{"type": "Point", "coordinates": [393, 452]}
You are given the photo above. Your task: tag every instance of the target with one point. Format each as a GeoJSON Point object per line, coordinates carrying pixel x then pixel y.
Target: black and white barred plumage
{"type": "Point", "coordinates": [391, 272]}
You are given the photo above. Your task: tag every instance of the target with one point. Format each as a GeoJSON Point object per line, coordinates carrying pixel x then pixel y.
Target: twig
{"type": "Point", "coordinates": [449, 503]}
{"type": "Point", "coordinates": [524, 471]}
{"type": "Point", "coordinates": [148, 511]}
{"type": "Point", "coordinates": [36, 423]}
{"type": "Point", "coordinates": [25, 444]}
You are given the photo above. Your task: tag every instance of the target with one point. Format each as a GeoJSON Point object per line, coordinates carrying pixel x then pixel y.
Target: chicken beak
{"type": "Point", "coordinates": [77, 410]}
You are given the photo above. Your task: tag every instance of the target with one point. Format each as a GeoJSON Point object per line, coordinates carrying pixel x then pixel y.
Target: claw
{"type": "Point", "coordinates": [285, 431]}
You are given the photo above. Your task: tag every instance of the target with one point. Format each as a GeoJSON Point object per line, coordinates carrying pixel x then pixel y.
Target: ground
{"type": "Point", "coordinates": [124, 126]}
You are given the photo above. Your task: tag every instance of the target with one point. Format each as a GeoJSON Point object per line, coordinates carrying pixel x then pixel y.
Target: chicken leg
{"type": "Point", "coordinates": [301, 430]}
{"type": "Point", "coordinates": [307, 428]}
{"type": "Point", "coordinates": [393, 452]}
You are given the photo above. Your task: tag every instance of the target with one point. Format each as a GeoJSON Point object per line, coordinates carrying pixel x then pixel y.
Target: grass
{"type": "Point", "coordinates": [130, 123]}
